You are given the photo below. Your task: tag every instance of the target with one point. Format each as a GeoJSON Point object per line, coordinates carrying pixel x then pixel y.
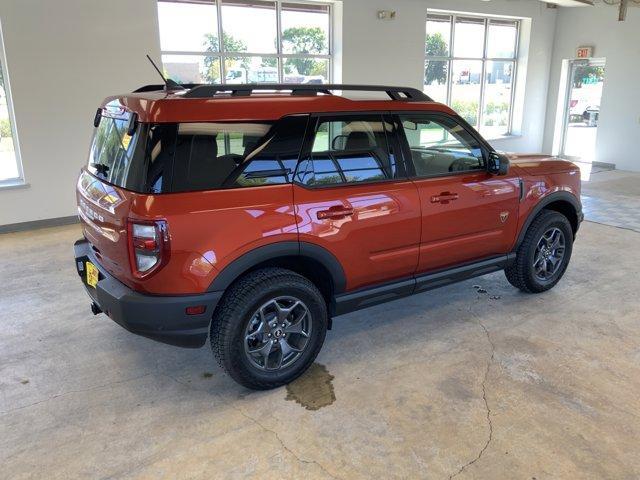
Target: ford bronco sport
{"type": "Point", "coordinates": [254, 214]}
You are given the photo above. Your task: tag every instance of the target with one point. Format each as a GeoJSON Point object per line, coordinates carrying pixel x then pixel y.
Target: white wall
{"type": "Point", "coordinates": [392, 52]}
{"type": "Point", "coordinates": [64, 57]}
{"type": "Point", "coordinates": [619, 42]}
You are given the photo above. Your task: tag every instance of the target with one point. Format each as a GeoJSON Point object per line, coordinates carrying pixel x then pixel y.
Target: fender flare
{"type": "Point", "coordinates": [552, 197]}
{"type": "Point", "coordinates": [280, 249]}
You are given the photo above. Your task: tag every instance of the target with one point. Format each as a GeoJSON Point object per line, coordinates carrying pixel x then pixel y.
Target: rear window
{"type": "Point", "coordinates": [112, 150]}
{"type": "Point", "coordinates": [163, 158]}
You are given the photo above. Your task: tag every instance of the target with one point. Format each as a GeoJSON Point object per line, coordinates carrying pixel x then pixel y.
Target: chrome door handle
{"type": "Point", "coordinates": [335, 213]}
{"type": "Point", "coordinates": [444, 197]}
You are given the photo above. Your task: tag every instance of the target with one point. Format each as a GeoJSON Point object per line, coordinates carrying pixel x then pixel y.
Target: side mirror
{"type": "Point", "coordinates": [498, 164]}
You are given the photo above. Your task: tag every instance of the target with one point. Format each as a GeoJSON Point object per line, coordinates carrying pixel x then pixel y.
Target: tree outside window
{"type": "Point", "coordinates": [253, 49]}
{"type": "Point", "coordinates": [470, 64]}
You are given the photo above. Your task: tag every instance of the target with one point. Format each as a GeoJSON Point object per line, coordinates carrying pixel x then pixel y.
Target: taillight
{"type": "Point", "coordinates": [148, 246]}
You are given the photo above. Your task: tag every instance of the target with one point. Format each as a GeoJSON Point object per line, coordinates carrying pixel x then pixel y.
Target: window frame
{"type": "Point", "coordinates": [20, 179]}
{"type": "Point", "coordinates": [406, 148]}
{"type": "Point", "coordinates": [280, 56]}
{"type": "Point", "coordinates": [515, 60]}
{"type": "Point", "coordinates": [394, 147]}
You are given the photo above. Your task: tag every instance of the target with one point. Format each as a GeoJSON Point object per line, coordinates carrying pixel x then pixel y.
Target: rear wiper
{"type": "Point", "coordinates": [101, 168]}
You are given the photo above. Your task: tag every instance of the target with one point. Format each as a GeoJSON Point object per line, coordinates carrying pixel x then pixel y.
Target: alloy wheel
{"type": "Point", "coordinates": [277, 333]}
{"type": "Point", "coordinates": [549, 254]}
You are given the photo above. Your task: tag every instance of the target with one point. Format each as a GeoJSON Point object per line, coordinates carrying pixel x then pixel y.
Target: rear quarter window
{"type": "Point", "coordinates": [211, 156]}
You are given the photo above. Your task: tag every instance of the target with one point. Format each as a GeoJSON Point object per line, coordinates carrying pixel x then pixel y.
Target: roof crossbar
{"type": "Point", "coordinates": [240, 90]}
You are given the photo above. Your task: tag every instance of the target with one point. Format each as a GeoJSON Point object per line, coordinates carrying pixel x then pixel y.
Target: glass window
{"type": "Point", "coordinates": [169, 157]}
{"type": "Point", "coordinates": [158, 160]}
{"type": "Point", "coordinates": [305, 28]}
{"type": "Point", "coordinates": [477, 78]}
{"type": "Point", "coordinates": [436, 79]}
{"type": "Point", "coordinates": [10, 167]}
{"type": "Point", "coordinates": [231, 155]}
{"type": "Point", "coordinates": [192, 68]}
{"type": "Point", "coordinates": [440, 146]}
{"type": "Point", "coordinates": [197, 30]}
{"type": "Point", "coordinates": [469, 38]}
{"type": "Point", "coordinates": [201, 40]}
{"type": "Point", "coordinates": [497, 97]}
{"type": "Point", "coordinates": [251, 70]}
{"type": "Point", "coordinates": [466, 89]}
{"type": "Point", "coordinates": [349, 151]}
{"type": "Point", "coordinates": [502, 38]}
{"type": "Point", "coordinates": [438, 35]}
{"type": "Point", "coordinates": [276, 162]}
{"type": "Point", "coordinates": [138, 162]}
{"type": "Point", "coordinates": [249, 26]}
{"type": "Point", "coordinates": [112, 148]}
{"type": "Point", "coordinates": [314, 70]}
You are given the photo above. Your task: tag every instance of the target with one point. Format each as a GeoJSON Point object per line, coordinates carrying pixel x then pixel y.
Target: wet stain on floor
{"type": "Point", "coordinates": [313, 390]}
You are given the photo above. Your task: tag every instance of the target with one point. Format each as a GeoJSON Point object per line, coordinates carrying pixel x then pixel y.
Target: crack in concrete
{"type": "Point", "coordinates": [484, 398]}
{"type": "Point", "coordinates": [70, 392]}
{"type": "Point", "coordinates": [275, 434]}
{"type": "Point", "coordinates": [263, 427]}
{"type": "Point", "coordinates": [613, 226]}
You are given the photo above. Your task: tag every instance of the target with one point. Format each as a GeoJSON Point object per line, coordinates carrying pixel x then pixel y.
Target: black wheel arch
{"type": "Point", "coordinates": [307, 259]}
{"type": "Point", "coordinates": [562, 202]}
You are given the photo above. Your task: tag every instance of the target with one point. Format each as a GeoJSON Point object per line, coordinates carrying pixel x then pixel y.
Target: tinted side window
{"type": "Point", "coordinates": [273, 161]}
{"type": "Point", "coordinates": [349, 150]}
{"type": "Point", "coordinates": [439, 145]}
{"type": "Point", "coordinates": [231, 155]}
{"type": "Point", "coordinates": [158, 158]}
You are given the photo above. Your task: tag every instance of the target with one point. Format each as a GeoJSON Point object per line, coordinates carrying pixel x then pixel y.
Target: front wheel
{"type": "Point", "coordinates": [544, 254]}
{"type": "Point", "coordinates": [269, 328]}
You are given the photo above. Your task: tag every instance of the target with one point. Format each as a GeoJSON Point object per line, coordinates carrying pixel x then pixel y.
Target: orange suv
{"type": "Point", "coordinates": [254, 214]}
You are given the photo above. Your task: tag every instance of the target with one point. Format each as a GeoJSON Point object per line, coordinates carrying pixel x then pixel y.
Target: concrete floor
{"type": "Point", "coordinates": [451, 383]}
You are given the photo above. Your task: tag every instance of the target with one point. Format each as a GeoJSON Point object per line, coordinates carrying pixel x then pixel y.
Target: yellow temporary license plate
{"type": "Point", "coordinates": [92, 274]}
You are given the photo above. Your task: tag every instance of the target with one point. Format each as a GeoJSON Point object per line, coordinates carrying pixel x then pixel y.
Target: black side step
{"type": "Point", "coordinates": [457, 274]}
{"type": "Point", "coordinates": [349, 302]}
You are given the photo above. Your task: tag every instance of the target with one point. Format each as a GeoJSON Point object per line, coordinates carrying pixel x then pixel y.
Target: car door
{"type": "Point", "coordinates": [353, 198]}
{"type": "Point", "coordinates": [467, 213]}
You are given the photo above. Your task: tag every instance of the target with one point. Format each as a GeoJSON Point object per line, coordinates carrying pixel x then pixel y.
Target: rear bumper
{"type": "Point", "coordinates": [161, 318]}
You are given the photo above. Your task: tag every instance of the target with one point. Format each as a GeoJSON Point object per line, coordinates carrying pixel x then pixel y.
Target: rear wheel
{"type": "Point", "coordinates": [543, 255]}
{"type": "Point", "coordinates": [269, 328]}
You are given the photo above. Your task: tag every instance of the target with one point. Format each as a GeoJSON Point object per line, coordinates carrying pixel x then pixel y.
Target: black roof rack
{"type": "Point", "coordinates": [199, 90]}
{"type": "Point", "coordinates": [155, 88]}
{"type": "Point", "coordinates": [241, 90]}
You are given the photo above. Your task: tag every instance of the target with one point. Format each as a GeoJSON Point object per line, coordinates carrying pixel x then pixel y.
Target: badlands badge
{"type": "Point", "coordinates": [504, 216]}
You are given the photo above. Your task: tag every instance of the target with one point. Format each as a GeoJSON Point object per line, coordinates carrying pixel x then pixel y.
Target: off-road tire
{"type": "Point", "coordinates": [235, 311]}
{"type": "Point", "coordinates": [521, 273]}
